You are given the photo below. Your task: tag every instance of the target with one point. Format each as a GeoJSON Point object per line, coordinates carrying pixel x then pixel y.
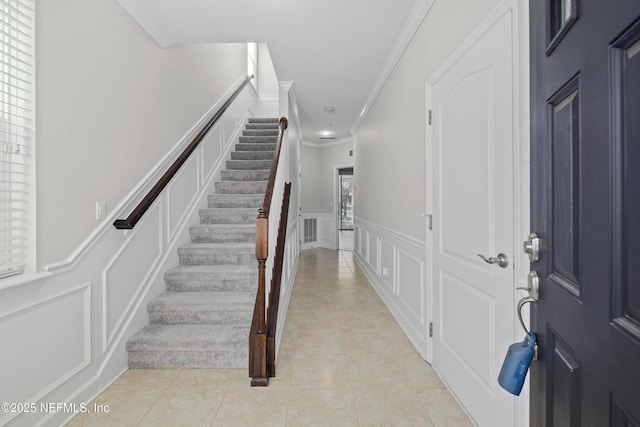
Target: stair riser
{"type": "Point", "coordinates": [241, 187]}
{"type": "Point", "coordinates": [270, 120]}
{"type": "Point", "coordinates": [255, 147]}
{"type": "Point", "coordinates": [204, 258]}
{"type": "Point", "coordinates": [248, 164]}
{"type": "Point", "coordinates": [245, 175]}
{"type": "Point", "coordinates": [252, 155]}
{"type": "Point", "coordinates": [228, 216]}
{"type": "Point", "coordinates": [217, 317]}
{"type": "Point", "coordinates": [260, 132]}
{"type": "Point", "coordinates": [244, 283]}
{"type": "Point", "coordinates": [257, 139]}
{"type": "Point", "coordinates": [235, 201]}
{"type": "Point", "coordinates": [262, 126]}
{"type": "Point", "coordinates": [218, 237]}
{"type": "Point", "coordinates": [223, 359]}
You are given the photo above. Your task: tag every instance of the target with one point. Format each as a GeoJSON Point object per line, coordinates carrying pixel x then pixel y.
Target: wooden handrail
{"type": "Point", "coordinates": [152, 195]}
{"type": "Point", "coordinates": [266, 205]}
{"type": "Point", "coordinates": [258, 334]}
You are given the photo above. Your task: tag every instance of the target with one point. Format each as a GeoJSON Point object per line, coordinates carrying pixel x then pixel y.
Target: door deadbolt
{"type": "Point", "coordinates": [531, 247]}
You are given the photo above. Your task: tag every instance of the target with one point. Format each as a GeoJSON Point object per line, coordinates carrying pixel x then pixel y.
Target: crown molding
{"type": "Point", "coordinates": [416, 17]}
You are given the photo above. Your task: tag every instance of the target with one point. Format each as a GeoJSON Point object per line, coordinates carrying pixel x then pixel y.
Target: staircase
{"type": "Point", "coordinates": [203, 319]}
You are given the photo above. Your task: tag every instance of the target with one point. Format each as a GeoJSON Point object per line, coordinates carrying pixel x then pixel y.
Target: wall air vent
{"type": "Point", "coordinates": [327, 137]}
{"type": "Point", "coordinates": [310, 230]}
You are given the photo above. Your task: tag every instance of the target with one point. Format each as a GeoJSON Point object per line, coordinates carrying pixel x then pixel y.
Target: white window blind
{"type": "Point", "coordinates": [16, 134]}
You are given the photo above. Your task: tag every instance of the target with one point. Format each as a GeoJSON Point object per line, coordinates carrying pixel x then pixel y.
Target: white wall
{"type": "Point", "coordinates": [110, 104]}
{"type": "Point", "coordinates": [268, 86]}
{"type": "Point", "coordinates": [390, 161]}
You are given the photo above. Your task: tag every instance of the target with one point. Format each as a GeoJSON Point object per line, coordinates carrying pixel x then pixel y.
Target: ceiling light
{"type": "Point", "coordinates": [329, 109]}
{"type": "Point", "coordinates": [325, 133]}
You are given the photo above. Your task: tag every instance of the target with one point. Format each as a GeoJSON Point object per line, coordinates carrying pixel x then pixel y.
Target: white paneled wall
{"type": "Point", "coordinates": [63, 332]}
{"type": "Point", "coordinates": [395, 266]}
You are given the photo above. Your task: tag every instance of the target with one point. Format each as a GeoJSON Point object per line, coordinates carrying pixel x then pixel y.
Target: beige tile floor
{"type": "Point", "coordinates": [343, 361]}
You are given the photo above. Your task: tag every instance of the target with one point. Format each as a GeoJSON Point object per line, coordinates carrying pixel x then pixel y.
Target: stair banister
{"type": "Point", "coordinates": [137, 213]}
{"type": "Point", "coordinates": [258, 363]}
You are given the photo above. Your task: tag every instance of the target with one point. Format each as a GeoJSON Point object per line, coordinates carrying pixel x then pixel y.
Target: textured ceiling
{"type": "Point", "coordinates": [335, 51]}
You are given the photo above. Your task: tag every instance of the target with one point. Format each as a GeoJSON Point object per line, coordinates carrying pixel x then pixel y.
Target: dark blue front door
{"type": "Point", "coordinates": [585, 205]}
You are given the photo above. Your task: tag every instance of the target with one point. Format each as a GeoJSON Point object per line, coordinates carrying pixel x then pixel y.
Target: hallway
{"type": "Point", "coordinates": [343, 361]}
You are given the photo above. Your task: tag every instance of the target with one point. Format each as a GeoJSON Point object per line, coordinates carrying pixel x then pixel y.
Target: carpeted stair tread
{"type": "Point", "coordinates": [245, 175]}
{"type": "Point", "coordinates": [220, 278]}
{"type": "Point", "coordinates": [196, 337]}
{"type": "Point", "coordinates": [217, 253]}
{"type": "Point", "coordinates": [241, 187]}
{"type": "Point", "coordinates": [228, 215]}
{"type": "Point", "coordinates": [236, 200]}
{"type": "Point", "coordinates": [275, 120]}
{"type": "Point", "coordinates": [259, 139]}
{"type": "Point", "coordinates": [223, 308]}
{"type": "Point", "coordinates": [252, 155]}
{"type": "Point", "coordinates": [256, 147]}
{"type": "Point", "coordinates": [262, 126]}
{"type": "Point", "coordinates": [248, 164]}
{"type": "Point", "coordinates": [224, 233]}
{"type": "Point", "coordinates": [261, 132]}
{"type": "Point", "coordinates": [194, 346]}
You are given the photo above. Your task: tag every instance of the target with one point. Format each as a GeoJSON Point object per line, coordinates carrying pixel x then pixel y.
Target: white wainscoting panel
{"type": "Point", "coordinates": [290, 266]}
{"type": "Point", "coordinates": [181, 193]}
{"type": "Point", "coordinates": [395, 266]}
{"type": "Point", "coordinates": [126, 274]}
{"type": "Point", "coordinates": [44, 343]}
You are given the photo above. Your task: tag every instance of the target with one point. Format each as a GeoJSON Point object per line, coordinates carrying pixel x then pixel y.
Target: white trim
{"type": "Point", "coordinates": [522, 178]}
{"type": "Point", "coordinates": [347, 140]}
{"type": "Point", "coordinates": [416, 17]}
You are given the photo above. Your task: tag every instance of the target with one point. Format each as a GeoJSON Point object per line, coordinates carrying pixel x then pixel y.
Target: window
{"type": "Point", "coordinates": [16, 135]}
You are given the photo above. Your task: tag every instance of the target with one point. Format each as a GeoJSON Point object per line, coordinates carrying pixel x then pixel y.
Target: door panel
{"type": "Point", "coordinates": [473, 213]}
{"type": "Point", "coordinates": [585, 204]}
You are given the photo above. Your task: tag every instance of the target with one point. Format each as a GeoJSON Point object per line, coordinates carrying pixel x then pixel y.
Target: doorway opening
{"type": "Point", "coordinates": [345, 209]}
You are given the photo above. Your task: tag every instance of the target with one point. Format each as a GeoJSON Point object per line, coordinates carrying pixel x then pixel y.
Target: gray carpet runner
{"type": "Point", "coordinates": [203, 319]}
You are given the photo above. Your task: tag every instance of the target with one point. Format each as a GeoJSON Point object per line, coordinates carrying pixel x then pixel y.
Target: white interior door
{"type": "Point", "coordinates": [473, 213]}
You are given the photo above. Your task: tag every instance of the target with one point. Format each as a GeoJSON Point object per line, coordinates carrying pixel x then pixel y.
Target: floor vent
{"type": "Point", "coordinates": [310, 230]}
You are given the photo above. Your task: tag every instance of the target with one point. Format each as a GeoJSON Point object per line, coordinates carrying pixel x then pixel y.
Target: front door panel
{"type": "Point", "coordinates": [585, 205]}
